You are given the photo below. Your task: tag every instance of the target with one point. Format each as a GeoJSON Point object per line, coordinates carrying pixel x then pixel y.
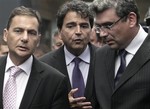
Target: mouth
{"type": "Point", "coordinates": [22, 48]}
{"type": "Point", "coordinates": [109, 42]}
{"type": "Point", "coordinates": [78, 40]}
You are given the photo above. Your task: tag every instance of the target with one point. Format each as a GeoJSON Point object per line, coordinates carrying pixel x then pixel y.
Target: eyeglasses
{"type": "Point", "coordinates": [107, 26]}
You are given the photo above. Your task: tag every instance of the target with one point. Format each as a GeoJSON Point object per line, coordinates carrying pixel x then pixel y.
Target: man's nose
{"type": "Point", "coordinates": [78, 30]}
{"type": "Point", "coordinates": [103, 33]}
{"type": "Point", "coordinates": [25, 37]}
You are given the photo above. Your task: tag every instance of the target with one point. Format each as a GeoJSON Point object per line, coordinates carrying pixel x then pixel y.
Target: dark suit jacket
{"type": "Point", "coordinates": [133, 89]}
{"type": "Point", "coordinates": [46, 87]}
{"type": "Point", "coordinates": [57, 60]}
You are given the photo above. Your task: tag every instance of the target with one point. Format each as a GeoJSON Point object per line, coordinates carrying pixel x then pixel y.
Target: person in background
{"type": "Point", "coordinates": [3, 47]}
{"type": "Point", "coordinates": [27, 83]}
{"type": "Point", "coordinates": [95, 38]}
{"type": "Point", "coordinates": [41, 50]}
{"type": "Point", "coordinates": [56, 40]}
{"type": "Point", "coordinates": [147, 21]}
{"type": "Point", "coordinates": [74, 22]}
{"type": "Point", "coordinates": [147, 17]}
{"type": "Point", "coordinates": [122, 66]}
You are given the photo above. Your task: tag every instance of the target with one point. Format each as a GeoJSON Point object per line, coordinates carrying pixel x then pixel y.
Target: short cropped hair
{"type": "Point", "coordinates": [78, 6]}
{"type": "Point", "coordinates": [122, 7]}
{"type": "Point", "coordinates": [24, 11]}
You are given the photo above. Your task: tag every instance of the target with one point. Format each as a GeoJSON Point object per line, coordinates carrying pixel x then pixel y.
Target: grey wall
{"type": "Point", "coordinates": [5, 8]}
{"type": "Point", "coordinates": [48, 8]}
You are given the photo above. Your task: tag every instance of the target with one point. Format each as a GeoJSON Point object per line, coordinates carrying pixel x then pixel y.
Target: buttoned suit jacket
{"type": "Point", "coordinates": [57, 60]}
{"type": "Point", "coordinates": [46, 87]}
{"type": "Point", "coordinates": [133, 89]}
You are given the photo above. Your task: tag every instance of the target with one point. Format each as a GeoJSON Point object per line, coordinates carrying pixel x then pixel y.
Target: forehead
{"type": "Point", "coordinates": [72, 16]}
{"type": "Point", "coordinates": [25, 22]}
{"type": "Point", "coordinates": [106, 16]}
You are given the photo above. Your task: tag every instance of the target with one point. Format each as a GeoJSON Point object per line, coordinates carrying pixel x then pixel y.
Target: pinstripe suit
{"type": "Point", "coordinates": [133, 89]}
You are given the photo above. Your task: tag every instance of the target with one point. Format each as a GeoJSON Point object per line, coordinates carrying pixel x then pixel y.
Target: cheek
{"type": "Point", "coordinates": [87, 34]}
{"type": "Point", "coordinates": [66, 36]}
{"type": "Point", "coordinates": [116, 33]}
{"type": "Point", "coordinates": [11, 42]}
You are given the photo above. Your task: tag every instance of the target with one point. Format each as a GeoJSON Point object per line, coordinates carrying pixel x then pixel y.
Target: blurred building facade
{"type": "Point", "coordinates": [48, 10]}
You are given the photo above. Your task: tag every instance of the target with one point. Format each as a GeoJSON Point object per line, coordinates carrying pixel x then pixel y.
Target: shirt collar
{"type": "Point", "coordinates": [137, 41]}
{"type": "Point", "coordinates": [26, 66]}
{"type": "Point", "coordinates": [85, 56]}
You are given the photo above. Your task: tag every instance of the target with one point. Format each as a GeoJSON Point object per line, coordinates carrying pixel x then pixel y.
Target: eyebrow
{"type": "Point", "coordinates": [69, 23]}
{"type": "Point", "coordinates": [106, 23]}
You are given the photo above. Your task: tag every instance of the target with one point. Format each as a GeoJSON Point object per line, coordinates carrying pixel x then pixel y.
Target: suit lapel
{"type": "Point", "coordinates": [90, 80]}
{"type": "Point", "coordinates": [60, 63]}
{"type": "Point", "coordinates": [60, 57]}
{"type": "Point", "coordinates": [141, 57]}
{"type": "Point", "coordinates": [111, 55]}
{"type": "Point", "coordinates": [32, 85]}
{"type": "Point", "coordinates": [2, 72]}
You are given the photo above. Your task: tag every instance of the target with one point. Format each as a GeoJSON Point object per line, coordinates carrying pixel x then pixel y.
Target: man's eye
{"type": "Point", "coordinates": [70, 26]}
{"type": "Point", "coordinates": [97, 25]}
{"type": "Point", "coordinates": [33, 33]}
{"type": "Point", "coordinates": [17, 31]}
{"type": "Point", "coordinates": [107, 25]}
{"type": "Point", "coordinates": [85, 26]}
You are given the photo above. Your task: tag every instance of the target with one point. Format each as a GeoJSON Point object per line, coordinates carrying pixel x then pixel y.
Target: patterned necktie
{"type": "Point", "coordinates": [122, 54]}
{"type": "Point", "coordinates": [77, 79]}
{"type": "Point", "coordinates": [10, 91]}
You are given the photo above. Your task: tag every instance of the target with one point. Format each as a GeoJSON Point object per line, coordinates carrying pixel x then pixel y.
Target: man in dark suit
{"type": "Point", "coordinates": [118, 23]}
{"type": "Point", "coordinates": [37, 85]}
{"type": "Point", "coordinates": [74, 21]}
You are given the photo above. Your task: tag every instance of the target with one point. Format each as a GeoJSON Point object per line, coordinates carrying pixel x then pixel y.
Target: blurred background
{"type": "Point", "coordinates": [48, 10]}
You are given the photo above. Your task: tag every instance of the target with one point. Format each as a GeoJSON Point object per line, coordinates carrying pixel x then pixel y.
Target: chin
{"type": "Point", "coordinates": [113, 46]}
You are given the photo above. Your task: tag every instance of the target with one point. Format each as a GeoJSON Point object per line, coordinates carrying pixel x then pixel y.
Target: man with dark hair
{"type": "Point", "coordinates": [74, 22]}
{"type": "Point", "coordinates": [56, 40]}
{"type": "Point", "coordinates": [27, 83]}
{"type": "Point", "coordinates": [122, 67]}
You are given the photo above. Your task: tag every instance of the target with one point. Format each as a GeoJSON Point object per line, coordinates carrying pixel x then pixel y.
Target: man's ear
{"type": "Point", "coordinates": [5, 34]}
{"type": "Point", "coordinates": [132, 19]}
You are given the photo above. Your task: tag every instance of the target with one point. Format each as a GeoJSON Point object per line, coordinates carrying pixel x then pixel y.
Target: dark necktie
{"type": "Point", "coordinates": [77, 79]}
{"type": "Point", "coordinates": [122, 54]}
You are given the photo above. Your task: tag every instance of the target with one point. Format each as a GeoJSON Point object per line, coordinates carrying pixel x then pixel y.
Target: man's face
{"type": "Point", "coordinates": [75, 32]}
{"type": "Point", "coordinates": [117, 36]}
{"type": "Point", "coordinates": [57, 42]}
{"type": "Point", "coordinates": [94, 39]}
{"type": "Point", "coordinates": [22, 37]}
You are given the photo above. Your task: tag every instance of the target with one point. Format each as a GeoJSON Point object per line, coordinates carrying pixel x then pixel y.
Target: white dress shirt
{"type": "Point", "coordinates": [83, 66]}
{"type": "Point", "coordinates": [21, 79]}
{"type": "Point", "coordinates": [132, 48]}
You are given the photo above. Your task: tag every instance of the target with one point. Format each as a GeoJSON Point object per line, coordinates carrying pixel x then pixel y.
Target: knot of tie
{"type": "Point", "coordinates": [15, 71]}
{"type": "Point", "coordinates": [77, 60]}
{"type": "Point", "coordinates": [122, 52]}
